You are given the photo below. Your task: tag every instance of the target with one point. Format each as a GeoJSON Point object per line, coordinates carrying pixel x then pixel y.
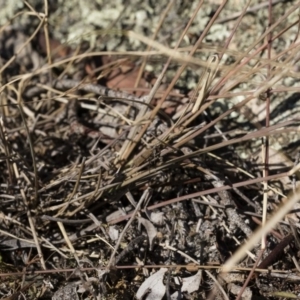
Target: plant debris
{"type": "Point", "coordinates": [178, 116]}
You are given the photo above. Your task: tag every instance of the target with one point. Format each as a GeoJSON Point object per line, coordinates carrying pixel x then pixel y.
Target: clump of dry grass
{"type": "Point", "coordinates": [81, 164]}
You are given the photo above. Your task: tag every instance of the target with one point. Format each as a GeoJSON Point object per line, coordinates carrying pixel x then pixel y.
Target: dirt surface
{"type": "Point", "coordinates": [109, 192]}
